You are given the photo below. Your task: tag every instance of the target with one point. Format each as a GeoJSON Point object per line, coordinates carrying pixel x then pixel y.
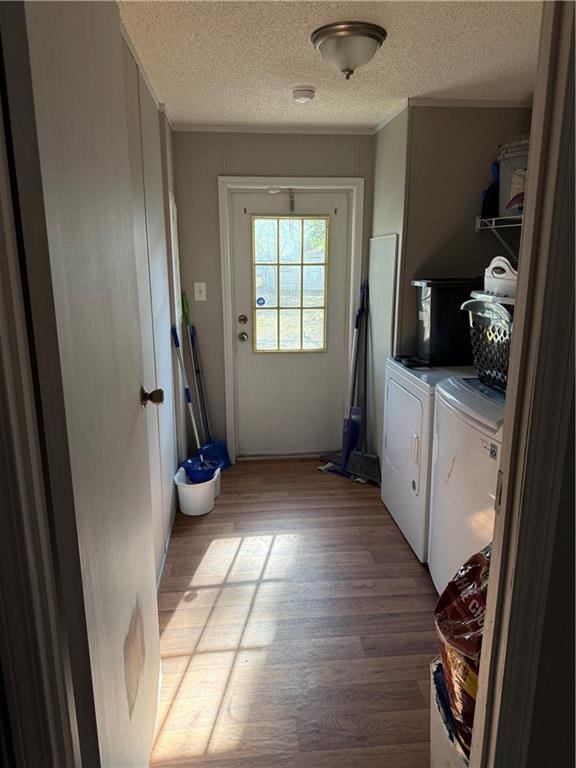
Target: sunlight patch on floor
{"type": "Point", "coordinates": [209, 702]}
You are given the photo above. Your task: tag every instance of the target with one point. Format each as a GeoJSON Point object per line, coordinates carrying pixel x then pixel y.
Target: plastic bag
{"type": "Point", "coordinates": [459, 617]}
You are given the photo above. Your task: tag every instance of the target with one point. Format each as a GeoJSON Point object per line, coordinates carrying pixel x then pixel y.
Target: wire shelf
{"type": "Point", "coordinates": [502, 222]}
{"type": "Point", "coordinates": [497, 224]}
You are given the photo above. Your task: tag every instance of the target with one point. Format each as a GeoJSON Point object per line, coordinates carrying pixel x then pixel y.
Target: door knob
{"type": "Point", "coordinates": [156, 396]}
{"type": "Point", "coordinates": [243, 336]}
{"type": "Point", "coordinates": [242, 319]}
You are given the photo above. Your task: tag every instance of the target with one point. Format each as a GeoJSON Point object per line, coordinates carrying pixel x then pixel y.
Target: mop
{"type": "Point", "coordinates": [187, 394]}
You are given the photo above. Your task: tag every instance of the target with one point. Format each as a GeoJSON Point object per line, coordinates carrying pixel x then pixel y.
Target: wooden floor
{"type": "Point", "coordinates": [296, 629]}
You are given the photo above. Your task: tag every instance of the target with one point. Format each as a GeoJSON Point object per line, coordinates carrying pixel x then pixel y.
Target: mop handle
{"type": "Point", "coordinates": [186, 387]}
{"type": "Point", "coordinates": [186, 314]}
{"type": "Point", "coordinates": [200, 381]}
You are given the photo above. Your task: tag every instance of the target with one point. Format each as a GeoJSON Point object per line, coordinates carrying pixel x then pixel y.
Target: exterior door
{"type": "Point", "coordinates": [291, 277]}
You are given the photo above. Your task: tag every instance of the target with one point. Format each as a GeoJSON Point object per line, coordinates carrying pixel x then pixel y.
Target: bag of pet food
{"type": "Point", "coordinates": [459, 617]}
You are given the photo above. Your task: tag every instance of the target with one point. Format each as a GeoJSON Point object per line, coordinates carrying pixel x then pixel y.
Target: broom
{"type": "Point", "coordinates": [361, 464]}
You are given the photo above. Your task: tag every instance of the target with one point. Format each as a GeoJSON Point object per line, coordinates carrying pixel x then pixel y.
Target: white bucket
{"type": "Point", "coordinates": [217, 484]}
{"type": "Point", "coordinates": [195, 498]}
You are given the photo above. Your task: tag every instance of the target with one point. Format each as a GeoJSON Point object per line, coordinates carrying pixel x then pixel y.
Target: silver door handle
{"type": "Point", "coordinates": [242, 319]}
{"type": "Point", "coordinates": [243, 336]}
{"type": "Point", "coordinates": [156, 396]}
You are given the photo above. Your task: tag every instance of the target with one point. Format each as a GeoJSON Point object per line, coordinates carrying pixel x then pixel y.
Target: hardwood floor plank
{"type": "Point", "coordinates": [296, 629]}
{"type": "Point", "coordinates": [363, 729]}
{"type": "Point", "coordinates": [394, 643]}
{"type": "Point", "coordinates": [396, 756]}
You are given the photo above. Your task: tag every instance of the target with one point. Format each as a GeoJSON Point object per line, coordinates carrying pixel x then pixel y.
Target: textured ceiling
{"type": "Point", "coordinates": [235, 63]}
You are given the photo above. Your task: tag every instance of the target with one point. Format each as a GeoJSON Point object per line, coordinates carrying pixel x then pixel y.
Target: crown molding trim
{"type": "Point", "coordinates": [347, 130]}
{"type": "Point", "coordinates": [160, 106]}
{"type": "Point", "coordinates": [425, 101]}
{"type": "Point", "coordinates": [391, 115]}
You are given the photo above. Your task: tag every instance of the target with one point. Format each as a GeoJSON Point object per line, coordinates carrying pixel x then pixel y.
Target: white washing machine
{"type": "Point", "coordinates": [466, 455]}
{"type": "Point", "coordinates": [407, 447]}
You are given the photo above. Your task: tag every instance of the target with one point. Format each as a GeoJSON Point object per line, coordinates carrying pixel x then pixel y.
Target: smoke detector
{"type": "Point", "coordinates": [303, 93]}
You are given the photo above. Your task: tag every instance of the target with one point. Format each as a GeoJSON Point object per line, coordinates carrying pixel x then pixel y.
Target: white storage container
{"type": "Point", "coordinates": [195, 498]}
{"type": "Point", "coordinates": [513, 159]}
{"type": "Point", "coordinates": [500, 278]}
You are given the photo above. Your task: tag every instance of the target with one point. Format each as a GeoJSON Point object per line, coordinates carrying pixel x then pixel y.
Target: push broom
{"type": "Point", "coordinates": [337, 463]}
{"type": "Point", "coordinates": [361, 464]}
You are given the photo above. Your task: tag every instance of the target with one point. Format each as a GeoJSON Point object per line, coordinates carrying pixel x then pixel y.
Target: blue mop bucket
{"type": "Point", "coordinates": [199, 469]}
{"type": "Point", "coordinates": [216, 450]}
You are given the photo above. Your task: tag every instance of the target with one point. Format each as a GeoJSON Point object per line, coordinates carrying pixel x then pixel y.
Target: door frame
{"type": "Point", "coordinates": [536, 459]}
{"type": "Point", "coordinates": [227, 185]}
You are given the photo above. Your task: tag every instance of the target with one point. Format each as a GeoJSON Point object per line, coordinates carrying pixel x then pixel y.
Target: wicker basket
{"type": "Point", "coordinates": [490, 335]}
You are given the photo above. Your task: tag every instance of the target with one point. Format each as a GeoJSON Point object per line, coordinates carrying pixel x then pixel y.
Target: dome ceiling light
{"type": "Point", "coordinates": [348, 44]}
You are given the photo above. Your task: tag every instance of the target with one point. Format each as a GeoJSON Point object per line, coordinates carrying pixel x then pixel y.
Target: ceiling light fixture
{"type": "Point", "coordinates": [303, 93]}
{"type": "Point", "coordinates": [348, 44]}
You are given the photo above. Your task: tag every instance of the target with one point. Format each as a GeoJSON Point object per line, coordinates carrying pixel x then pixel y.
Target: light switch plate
{"type": "Point", "coordinates": [199, 291]}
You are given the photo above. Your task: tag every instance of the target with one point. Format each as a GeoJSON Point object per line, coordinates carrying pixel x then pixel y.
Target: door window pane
{"type": "Point", "coordinates": [266, 286]}
{"type": "Point", "coordinates": [313, 294]}
{"type": "Point", "coordinates": [265, 240]}
{"type": "Point", "coordinates": [266, 336]}
{"type": "Point", "coordinates": [290, 320]}
{"type": "Point", "coordinates": [290, 240]}
{"type": "Point", "coordinates": [313, 331]}
{"type": "Point", "coordinates": [315, 241]}
{"type": "Point", "coordinates": [289, 258]}
{"type": "Point", "coordinates": [290, 287]}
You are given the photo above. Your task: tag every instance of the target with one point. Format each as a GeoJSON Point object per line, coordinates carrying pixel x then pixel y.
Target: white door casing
{"type": "Point", "coordinates": [227, 186]}
{"type": "Point", "coordinates": [289, 402]}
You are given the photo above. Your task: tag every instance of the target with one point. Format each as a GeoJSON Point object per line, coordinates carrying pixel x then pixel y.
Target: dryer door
{"type": "Point", "coordinates": [403, 434]}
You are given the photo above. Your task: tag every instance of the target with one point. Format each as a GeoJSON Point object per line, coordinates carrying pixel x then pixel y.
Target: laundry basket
{"type": "Point", "coordinates": [490, 335]}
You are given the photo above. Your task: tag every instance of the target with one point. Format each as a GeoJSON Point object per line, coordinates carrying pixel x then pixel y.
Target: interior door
{"type": "Point", "coordinates": [291, 278]}
{"type": "Point", "coordinates": [160, 297]}
{"type": "Point", "coordinates": [82, 145]}
{"type": "Point", "coordinates": [144, 300]}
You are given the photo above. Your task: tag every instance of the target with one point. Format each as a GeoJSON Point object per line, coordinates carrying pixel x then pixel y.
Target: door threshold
{"type": "Point", "coordinates": [272, 456]}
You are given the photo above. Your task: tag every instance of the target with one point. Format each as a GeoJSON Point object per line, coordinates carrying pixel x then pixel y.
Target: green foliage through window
{"type": "Point", "coordinates": [289, 257]}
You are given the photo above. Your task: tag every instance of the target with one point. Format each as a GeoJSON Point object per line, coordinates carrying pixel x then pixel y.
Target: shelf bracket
{"type": "Point", "coordinates": [504, 244]}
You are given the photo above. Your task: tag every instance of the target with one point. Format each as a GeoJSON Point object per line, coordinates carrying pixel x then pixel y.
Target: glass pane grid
{"type": "Point", "coordinates": [289, 256]}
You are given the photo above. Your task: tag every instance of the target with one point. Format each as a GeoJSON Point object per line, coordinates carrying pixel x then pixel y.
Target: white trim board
{"type": "Point", "coordinates": [345, 130]}
{"type": "Point", "coordinates": [226, 186]}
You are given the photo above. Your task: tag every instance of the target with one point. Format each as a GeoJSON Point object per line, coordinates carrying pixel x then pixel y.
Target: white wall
{"type": "Point", "coordinates": [199, 158]}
